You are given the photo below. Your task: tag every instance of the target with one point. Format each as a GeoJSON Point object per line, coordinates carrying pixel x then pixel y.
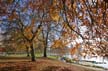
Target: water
{"type": "Point", "coordinates": [99, 61]}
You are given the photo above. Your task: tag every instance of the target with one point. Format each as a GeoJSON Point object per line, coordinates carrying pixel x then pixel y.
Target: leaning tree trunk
{"type": "Point", "coordinates": [32, 53]}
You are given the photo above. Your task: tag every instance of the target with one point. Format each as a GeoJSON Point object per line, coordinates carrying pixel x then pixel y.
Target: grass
{"type": "Point", "coordinates": [53, 57]}
{"type": "Point", "coordinates": [38, 54]}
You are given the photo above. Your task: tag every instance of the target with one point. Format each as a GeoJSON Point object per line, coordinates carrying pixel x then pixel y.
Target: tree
{"type": "Point", "coordinates": [45, 35]}
{"type": "Point", "coordinates": [70, 16]}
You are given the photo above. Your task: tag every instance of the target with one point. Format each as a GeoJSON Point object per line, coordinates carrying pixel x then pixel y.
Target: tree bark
{"type": "Point", "coordinates": [32, 53]}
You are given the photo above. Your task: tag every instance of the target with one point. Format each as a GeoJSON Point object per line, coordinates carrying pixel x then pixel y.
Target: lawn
{"type": "Point", "coordinates": [41, 64]}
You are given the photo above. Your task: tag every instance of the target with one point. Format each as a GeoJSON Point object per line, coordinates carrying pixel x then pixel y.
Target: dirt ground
{"type": "Point", "coordinates": [41, 64]}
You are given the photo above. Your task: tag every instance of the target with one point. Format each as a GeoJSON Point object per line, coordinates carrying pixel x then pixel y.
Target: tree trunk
{"type": "Point", "coordinates": [46, 44]}
{"type": "Point", "coordinates": [45, 51]}
{"type": "Point", "coordinates": [32, 53]}
{"type": "Point", "coordinates": [27, 50]}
